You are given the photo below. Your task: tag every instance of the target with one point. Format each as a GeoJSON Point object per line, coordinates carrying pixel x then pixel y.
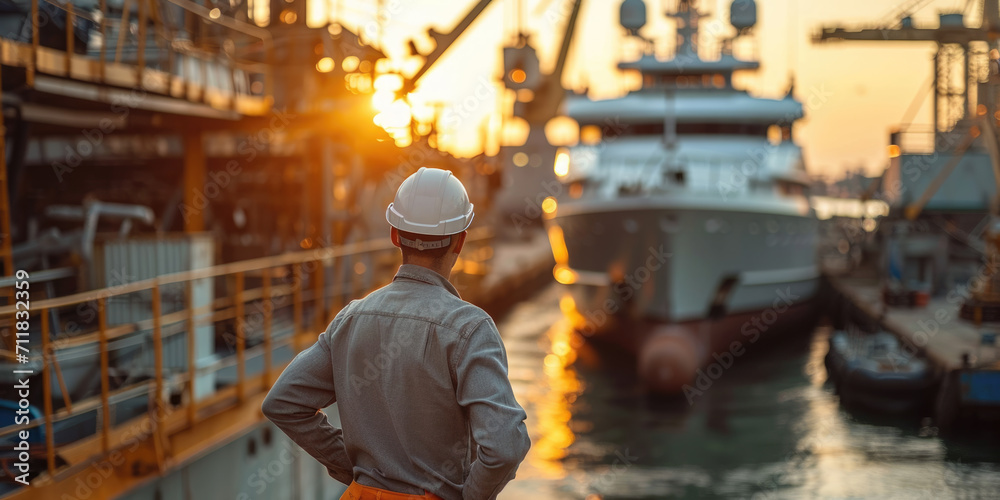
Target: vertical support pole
{"type": "Point", "coordinates": [104, 43]}
{"type": "Point", "coordinates": [268, 311]}
{"type": "Point", "coordinates": [160, 34]}
{"type": "Point", "coordinates": [171, 63]}
{"type": "Point", "coordinates": [937, 91]}
{"type": "Point", "coordinates": [326, 191]}
{"type": "Point", "coordinates": [966, 87]}
{"type": "Point", "coordinates": [70, 38]}
{"type": "Point", "coordinates": [234, 97]}
{"type": "Point", "coordinates": [670, 121]}
{"type": "Point", "coordinates": [62, 385]}
{"type": "Point", "coordinates": [122, 30]}
{"type": "Point", "coordinates": [194, 181]}
{"type": "Point", "coordinates": [356, 282]}
{"type": "Point", "coordinates": [33, 60]}
{"type": "Point", "coordinates": [192, 408]}
{"type": "Point", "coordinates": [140, 63]}
{"type": "Point", "coordinates": [5, 229]}
{"type": "Point", "coordinates": [158, 362]}
{"type": "Point", "coordinates": [319, 314]}
{"type": "Point", "coordinates": [204, 80]}
{"type": "Point", "coordinates": [241, 340]}
{"type": "Point", "coordinates": [268, 74]}
{"type": "Point", "coordinates": [296, 305]}
{"type": "Point", "coordinates": [203, 27]}
{"type": "Point", "coordinates": [50, 447]}
{"type": "Point", "coordinates": [338, 284]}
{"type": "Point", "coordinates": [102, 337]}
{"type": "Point", "coordinates": [182, 67]}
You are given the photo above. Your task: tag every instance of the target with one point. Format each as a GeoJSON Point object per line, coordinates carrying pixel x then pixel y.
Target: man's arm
{"type": "Point", "coordinates": [295, 404]}
{"type": "Point", "coordinates": [497, 421]}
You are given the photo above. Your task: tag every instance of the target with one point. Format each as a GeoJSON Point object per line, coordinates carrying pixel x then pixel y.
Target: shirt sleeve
{"type": "Point", "coordinates": [295, 403]}
{"type": "Point", "coordinates": [495, 417]}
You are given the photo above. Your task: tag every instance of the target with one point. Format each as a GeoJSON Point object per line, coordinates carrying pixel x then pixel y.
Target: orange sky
{"type": "Point", "coordinates": [855, 91]}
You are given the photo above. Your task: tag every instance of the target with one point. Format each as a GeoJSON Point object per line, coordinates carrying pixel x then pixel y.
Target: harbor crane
{"type": "Point", "coordinates": [966, 112]}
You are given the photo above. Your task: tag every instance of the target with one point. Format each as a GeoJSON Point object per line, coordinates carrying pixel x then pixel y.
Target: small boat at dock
{"type": "Point", "coordinates": [876, 372]}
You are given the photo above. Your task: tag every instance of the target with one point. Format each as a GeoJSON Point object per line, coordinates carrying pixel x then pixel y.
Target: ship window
{"type": "Point", "coordinates": [696, 128]}
{"type": "Point", "coordinates": [590, 135]}
{"type": "Point", "coordinates": [774, 135]}
{"type": "Point", "coordinates": [791, 189]}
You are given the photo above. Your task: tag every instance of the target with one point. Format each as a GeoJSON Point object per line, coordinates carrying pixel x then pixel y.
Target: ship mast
{"type": "Point", "coordinates": [687, 27]}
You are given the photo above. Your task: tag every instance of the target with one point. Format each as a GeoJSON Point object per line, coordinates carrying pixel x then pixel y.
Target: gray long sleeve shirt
{"type": "Point", "coordinates": [420, 379]}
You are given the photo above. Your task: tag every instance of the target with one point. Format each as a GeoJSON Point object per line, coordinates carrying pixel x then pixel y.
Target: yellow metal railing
{"type": "Point", "coordinates": [322, 302]}
{"type": "Point", "coordinates": [38, 59]}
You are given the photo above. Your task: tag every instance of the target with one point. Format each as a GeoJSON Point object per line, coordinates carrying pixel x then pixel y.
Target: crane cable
{"type": "Point", "coordinates": [896, 15]}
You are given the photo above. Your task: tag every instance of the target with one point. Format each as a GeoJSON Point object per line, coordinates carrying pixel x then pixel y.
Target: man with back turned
{"type": "Point", "coordinates": [419, 375]}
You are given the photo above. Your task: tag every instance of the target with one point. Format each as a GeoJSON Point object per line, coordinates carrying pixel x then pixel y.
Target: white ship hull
{"type": "Point", "coordinates": [703, 271]}
{"type": "Point", "coordinates": [685, 233]}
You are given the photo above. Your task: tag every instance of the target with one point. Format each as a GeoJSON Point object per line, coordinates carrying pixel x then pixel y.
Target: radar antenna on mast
{"type": "Point", "coordinates": [743, 15]}
{"type": "Point", "coordinates": [632, 16]}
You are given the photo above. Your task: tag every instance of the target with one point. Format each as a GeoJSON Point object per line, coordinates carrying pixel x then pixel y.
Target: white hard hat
{"type": "Point", "coordinates": [432, 202]}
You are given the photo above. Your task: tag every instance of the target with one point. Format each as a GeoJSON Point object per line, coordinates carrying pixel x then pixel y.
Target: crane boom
{"type": "Point", "coordinates": [550, 92]}
{"type": "Point", "coordinates": [442, 42]}
{"type": "Point", "coordinates": [567, 40]}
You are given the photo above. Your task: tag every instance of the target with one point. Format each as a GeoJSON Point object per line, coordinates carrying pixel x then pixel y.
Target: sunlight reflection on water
{"type": "Point", "coordinates": [770, 428]}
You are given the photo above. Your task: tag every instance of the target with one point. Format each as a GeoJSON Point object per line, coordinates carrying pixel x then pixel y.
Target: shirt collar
{"type": "Point", "coordinates": [424, 275]}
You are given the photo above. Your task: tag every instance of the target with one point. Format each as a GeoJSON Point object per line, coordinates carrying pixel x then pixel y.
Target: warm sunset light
{"type": "Point", "coordinates": [520, 159]}
{"type": "Point", "coordinates": [549, 205]}
{"type": "Point", "coordinates": [564, 275]}
{"type": "Point", "coordinates": [514, 132]}
{"type": "Point", "coordinates": [590, 135]}
{"type": "Point", "coordinates": [823, 73]}
{"type": "Point", "coordinates": [382, 99]}
{"type": "Point", "coordinates": [390, 82]}
{"type": "Point", "coordinates": [558, 245]}
{"type": "Point", "coordinates": [350, 63]}
{"type": "Point", "coordinates": [562, 131]}
{"type": "Point", "coordinates": [325, 65]}
{"type": "Point", "coordinates": [561, 167]}
{"type": "Point", "coordinates": [395, 115]}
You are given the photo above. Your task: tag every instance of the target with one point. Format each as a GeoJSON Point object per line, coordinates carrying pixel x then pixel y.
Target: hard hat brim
{"type": "Point", "coordinates": [445, 227]}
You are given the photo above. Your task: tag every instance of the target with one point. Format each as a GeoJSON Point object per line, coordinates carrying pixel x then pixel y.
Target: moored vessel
{"type": "Point", "coordinates": [685, 234]}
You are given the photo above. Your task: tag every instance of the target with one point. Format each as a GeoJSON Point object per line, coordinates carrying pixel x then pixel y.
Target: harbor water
{"type": "Point", "coordinates": [770, 426]}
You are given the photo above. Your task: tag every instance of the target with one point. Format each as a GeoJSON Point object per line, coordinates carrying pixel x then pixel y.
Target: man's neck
{"type": "Point", "coordinates": [436, 268]}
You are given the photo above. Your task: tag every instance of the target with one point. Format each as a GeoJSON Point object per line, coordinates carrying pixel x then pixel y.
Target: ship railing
{"type": "Point", "coordinates": [699, 171]}
{"type": "Point", "coordinates": [925, 139]}
{"type": "Point", "coordinates": [913, 139]}
{"type": "Point", "coordinates": [281, 303]}
{"type": "Point", "coordinates": [224, 65]}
